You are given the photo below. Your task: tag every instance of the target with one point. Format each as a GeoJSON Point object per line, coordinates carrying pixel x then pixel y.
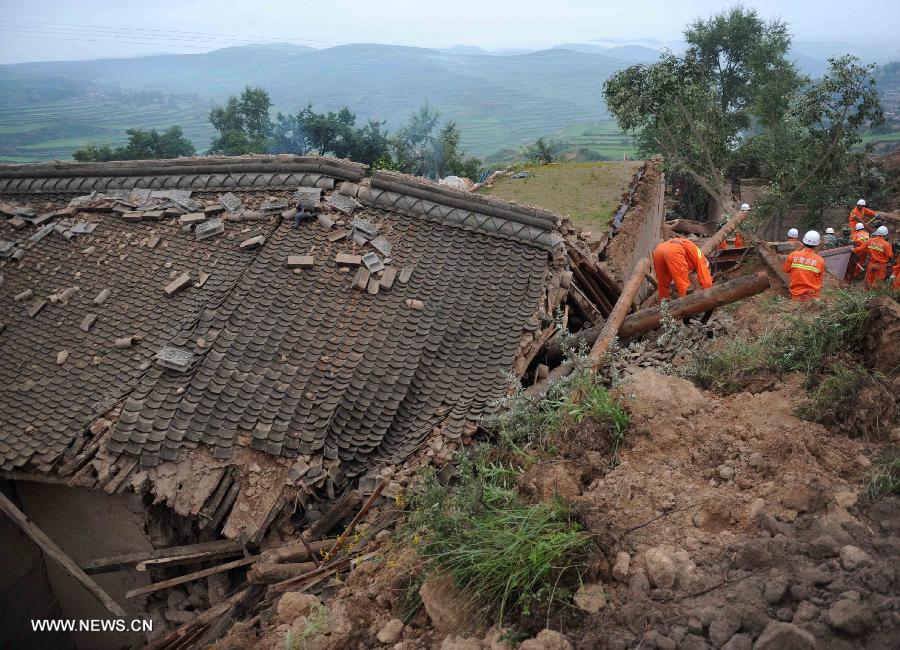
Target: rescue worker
{"type": "Point", "coordinates": [895, 274]}
{"type": "Point", "coordinates": [879, 252]}
{"type": "Point", "coordinates": [793, 235]}
{"type": "Point", "coordinates": [739, 240]}
{"type": "Point", "coordinates": [860, 214]}
{"type": "Point", "coordinates": [674, 261]}
{"type": "Point", "coordinates": [805, 267]}
{"type": "Point", "coordinates": [829, 237]}
{"type": "Point", "coordinates": [859, 235]}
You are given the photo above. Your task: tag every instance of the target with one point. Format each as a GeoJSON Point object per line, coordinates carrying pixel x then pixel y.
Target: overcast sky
{"type": "Point", "coordinates": [77, 29]}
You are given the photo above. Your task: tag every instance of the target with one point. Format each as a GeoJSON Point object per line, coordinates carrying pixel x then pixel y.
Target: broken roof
{"type": "Point", "coordinates": [221, 342]}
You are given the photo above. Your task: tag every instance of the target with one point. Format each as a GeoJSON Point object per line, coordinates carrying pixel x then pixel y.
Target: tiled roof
{"type": "Point", "coordinates": [290, 359]}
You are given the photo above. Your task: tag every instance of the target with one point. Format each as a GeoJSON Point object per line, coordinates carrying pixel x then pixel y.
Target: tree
{"type": "Point", "coordinates": [421, 149]}
{"type": "Point", "coordinates": [541, 151]}
{"type": "Point", "coordinates": [142, 145]}
{"type": "Point", "coordinates": [243, 124]}
{"type": "Point", "coordinates": [734, 103]}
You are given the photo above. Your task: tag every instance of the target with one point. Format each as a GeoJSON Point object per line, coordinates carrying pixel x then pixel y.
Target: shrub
{"type": "Point", "coordinates": [884, 479]}
{"type": "Point", "coordinates": [730, 367]}
{"type": "Point", "coordinates": [506, 557]}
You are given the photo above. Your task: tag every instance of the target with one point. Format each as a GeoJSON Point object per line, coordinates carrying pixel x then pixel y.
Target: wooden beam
{"type": "Point", "coordinates": [623, 305]}
{"type": "Point", "coordinates": [722, 233]}
{"type": "Point", "coordinates": [117, 562]}
{"type": "Point", "coordinates": [648, 319]}
{"type": "Point", "coordinates": [297, 551]}
{"type": "Point", "coordinates": [190, 577]}
{"type": "Point", "coordinates": [58, 555]}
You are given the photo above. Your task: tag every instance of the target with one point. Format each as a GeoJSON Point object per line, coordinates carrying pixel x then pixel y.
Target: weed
{"type": "Point", "coordinates": [827, 403]}
{"type": "Point", "coordinates": [316, 622]}
{"type": "Point", "coordinates": [803, 343]}
{"type": "Point", "coordinates": [730, 367]}
{"type": "Point", "coordinates": [506, 556]}
{"type": "Point", "coordinates": [884, 479]}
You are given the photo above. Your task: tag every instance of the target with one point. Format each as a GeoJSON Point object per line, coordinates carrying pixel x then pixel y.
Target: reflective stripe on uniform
{"type": "Point", "coordinates": [805, 267]}
{"type": "Point", "coordinates": [876, 247]}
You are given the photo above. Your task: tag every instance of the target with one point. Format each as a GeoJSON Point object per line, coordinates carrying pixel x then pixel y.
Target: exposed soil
{"type": "Point", "coordinates": [739, 526]}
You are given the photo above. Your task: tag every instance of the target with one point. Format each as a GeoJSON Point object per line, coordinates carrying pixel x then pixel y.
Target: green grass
{"type": "Point", "coordinates": [600, 137]}
{"type": "Point", "coordinates": [507, 557]}
{"type": "Point", "coordinates": [315, 623]}
{"type": "Point", "coordinates": [884, 479]}
{"type": "Point", "coordinates": [730, 368]}
{"type": "Point", "coordinates": [589, 193]}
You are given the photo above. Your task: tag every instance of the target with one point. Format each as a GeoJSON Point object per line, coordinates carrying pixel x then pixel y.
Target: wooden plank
{"type": "Point", "coordinates": [190, 577]}
{"type": "Point", "coordinates": [619, 312]}
{"type": "Point", "coordinates": [58, 555]}
{"type": "Point", "coordinates": [117, 562]}
{"type": "Point", "coordinates": [721, 235]}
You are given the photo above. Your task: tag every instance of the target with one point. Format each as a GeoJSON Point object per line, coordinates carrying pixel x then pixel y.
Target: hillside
{"type": "Point", "coordinates": [498, 101]}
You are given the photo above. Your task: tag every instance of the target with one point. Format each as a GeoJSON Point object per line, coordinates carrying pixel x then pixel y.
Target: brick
{"type": "Point", "coordinates": [253, 242]}
{"type": "Point", "coordinates": [372, 288]}
{"type": "Point", "coordinates": [405, 275]}
{"type": "Point", "coordinates": [154, 215]}
{"type": "Point", "coordinates": [192, 219]}
{"type": "Point", "coordinates": [336, 235]}
{"type": "Point", "coordinates": [18, 223]}
{"type": "Point", "coordinates": [87, 322]}
{"type": "Point", "coordinates": [35, 308]}
{"type": "Point", "coordinates": [153, 242]}
{"type": "Point", "coordinates": [361, 279]}
{"type": "Point", "coordinates": [388, 277]}
{"type": "Point", "coordinates": [132, 215]}
{"type": "Point", "coordinates": [177, 284]}
{"type": "Point", "coordinates": [418, 305]}
{"type": "Point", "coordinates": [101, 297]}
{"type": "Point", "coordinates": [211, 210]}
{"type": "Point", "coordinates": [300, 261]}
{"type": "Point", "coordinates": [345, 259]}
{"type": "Point", "coordinates": [24, 295]}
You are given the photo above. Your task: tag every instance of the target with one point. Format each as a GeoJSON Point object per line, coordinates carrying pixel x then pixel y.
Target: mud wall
{"type": "Point", "coordinates": [25, 590]}
{"type": "Point", "coordinates": [641, 227]}
{"type": "Point", "coordinates": [89, 525]}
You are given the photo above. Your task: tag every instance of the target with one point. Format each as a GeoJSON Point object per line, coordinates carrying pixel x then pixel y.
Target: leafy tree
{"type": "Point", "coordinates": [541, 151]}
{"type": "Point", "coordinates": [142, 145]}
{"type": "Point", "coordinates": [734, 104]}
{"type": "Point", "coordinates": [421, 149]}
{"type": "Point", "coordinates": [243, 124]}
{"type": "Point", "coordinates": [288, 136]}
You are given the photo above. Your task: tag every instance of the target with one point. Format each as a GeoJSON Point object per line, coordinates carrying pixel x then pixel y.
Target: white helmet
{"type": "Point", "coordinates": [860, 225]}
{"type": "Point", "coordinates": [829, 231]}
{"type": "Point", "coordinates": [882, 231]}
{"type": "Point", "coordinates": [811, 238]}
{"type": "Point", "coordinates": [745, 207]}
{"type": "Point", "coordinates": [793, 232]}
{"type": "Point", "coordinates": [861, 202]}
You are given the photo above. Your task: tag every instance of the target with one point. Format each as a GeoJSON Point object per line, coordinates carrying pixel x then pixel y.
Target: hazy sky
{"type": "Point", "coordinates": [77, 29]}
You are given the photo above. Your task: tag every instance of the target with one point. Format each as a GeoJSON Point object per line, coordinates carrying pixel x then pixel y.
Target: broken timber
{"type": "Point", "coordinates": [722, 233]}
{"type": "Point", "coordinates": [190, 577]}
{"type": "Point", "coordinates": [191, 552]}
{"type": "Point", "coordinates": [692, 304]}
{"type": "Point", "coordinates": [620, 311]}
{"type": "Point", "coordinates": [55, 552]}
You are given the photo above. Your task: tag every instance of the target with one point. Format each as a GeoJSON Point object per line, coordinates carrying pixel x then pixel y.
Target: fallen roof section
{"type": "Point", "coordinates": [133, 335]}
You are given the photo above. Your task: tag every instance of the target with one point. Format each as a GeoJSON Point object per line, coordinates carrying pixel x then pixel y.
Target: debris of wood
{"type": "Point", "coordinates": [270, 574]}
{"type": "Point", "coordinates": [58, 555]}
{"type": "Point", "coordinates": [620, 311]}
{"type": "Point", "coordinates": [190, 577]}
{"type": "Point", "coordinates": [694, 303]}
{"type": "Point", "coordinates": [208, 550]}
{"type": "Point", "coordinates": [722, 233]}
{"type": "Point", "coordinates": [691, 227]}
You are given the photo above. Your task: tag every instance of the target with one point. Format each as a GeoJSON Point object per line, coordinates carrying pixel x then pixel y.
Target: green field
{"type": "Point", "coordinates": [602, 138]}
{"type": "Point", "coordinates": [589, 193]}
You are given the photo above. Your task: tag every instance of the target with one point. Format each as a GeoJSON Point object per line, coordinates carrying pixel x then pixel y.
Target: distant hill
{"type": "Point", "coordinates": [499, 101]}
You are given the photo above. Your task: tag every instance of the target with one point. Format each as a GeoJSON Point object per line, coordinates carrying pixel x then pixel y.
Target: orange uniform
{"type": "Point", "coordinates": [674, 261]}
{"type": "Point", "coordinates": [860, 213]}
{"type": "Point", "coordinates": [858, 237]}
{"type": "Point", "coordinates": [880, 253]}
{"type": "Point", "coordinates": [724, 245]}
{"type": "Point", "coordinates": [805, 266]}
{"type": "Point", "coordinates": [896, 271]}
{"type": "Point", "coordinates": [739, 240]}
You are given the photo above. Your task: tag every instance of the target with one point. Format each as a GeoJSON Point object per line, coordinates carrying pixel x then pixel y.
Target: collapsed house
{"type": "Point", "coordinates": [240, 341]}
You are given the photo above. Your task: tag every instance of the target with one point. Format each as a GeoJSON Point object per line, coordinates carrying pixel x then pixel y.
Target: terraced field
{"type": "Point", "coordinates": [602, 138]}
{"type": "Point", "coordinates": [53, 129]}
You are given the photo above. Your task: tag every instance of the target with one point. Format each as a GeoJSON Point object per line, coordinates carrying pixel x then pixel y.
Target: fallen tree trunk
{"type": "Point", "coordinates": [269, 574]}
{"type": "Point", "coordinates": [722, 234]}
{"type": "Point", "coordinates": [694, 303]}
{"type": "Point", "coordinates": [618, 314]}
{"type": "Point", "coordinates": [296, 552]}
{"type": "Point", "coordinates": [689, 227]}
